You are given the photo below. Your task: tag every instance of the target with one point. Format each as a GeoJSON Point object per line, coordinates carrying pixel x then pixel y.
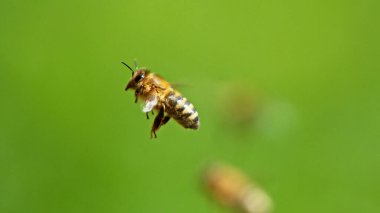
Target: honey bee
{"type": "Point", "coordinates": [158, 94]}
{"type": "Point", "coordinates": [232, 188]}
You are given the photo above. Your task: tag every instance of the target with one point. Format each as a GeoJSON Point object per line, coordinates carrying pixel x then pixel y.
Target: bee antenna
{"type": "Point", "coordinates": [135, 62]}
{"type": "Point", "coordinates": [133, 72]}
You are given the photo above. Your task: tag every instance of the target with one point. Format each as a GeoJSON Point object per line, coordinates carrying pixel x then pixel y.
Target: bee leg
{"type": "Point", "coordinates": [147, 115]}
{"type": "Point", "coordinates": [136, 95]}
{"type": "Point", "coordinates": [157, 122]}
{"type": "Point", "coordinates": [137, 92]}
{"type": "Point", "coordinates": [165, 120]}
{"type": "Point", "coordinates": [153, 133]}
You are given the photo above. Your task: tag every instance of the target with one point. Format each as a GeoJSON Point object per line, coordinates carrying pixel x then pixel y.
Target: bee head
{"type": "Point", "coordinates": [137, 76]}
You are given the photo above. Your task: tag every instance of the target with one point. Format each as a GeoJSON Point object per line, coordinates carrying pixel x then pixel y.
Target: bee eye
{"type": "Point", "coordinates": [138, 78]}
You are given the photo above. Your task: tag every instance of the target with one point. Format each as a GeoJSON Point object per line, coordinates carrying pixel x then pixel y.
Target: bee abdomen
{"type": "Point", "coordinates": [182, 111]}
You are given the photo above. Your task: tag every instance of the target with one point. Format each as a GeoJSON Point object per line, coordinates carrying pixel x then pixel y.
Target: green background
{"type": "Point", "coordinates": [71, 139]}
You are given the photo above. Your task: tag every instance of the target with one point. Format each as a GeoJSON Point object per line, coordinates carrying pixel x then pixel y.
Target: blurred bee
{"type": "Point", "coordinates": [240, 107]}
{"type": "Point", "coordinates": [232, 188]}
{"type": "Point", "coordinates": [159, 95]}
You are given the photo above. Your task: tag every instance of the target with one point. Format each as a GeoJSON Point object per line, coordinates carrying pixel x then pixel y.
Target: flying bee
{"type": "Point", "coordinates": [231, 188]}
{"type": "Point", "coordinates": [159, 95]}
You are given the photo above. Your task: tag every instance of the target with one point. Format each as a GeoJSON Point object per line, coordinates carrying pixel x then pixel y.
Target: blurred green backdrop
{"type": "Point", "coordinates": [71, 139]}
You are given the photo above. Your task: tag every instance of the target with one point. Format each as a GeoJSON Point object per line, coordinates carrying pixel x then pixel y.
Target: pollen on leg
{"type": "Point", "coordinates": [150, 104]}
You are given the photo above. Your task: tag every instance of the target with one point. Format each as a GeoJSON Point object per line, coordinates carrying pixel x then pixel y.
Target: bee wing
{"type": "Point", "coordinates": [179, 85]}
{"type": "Point", "coordinates": [150, 103]}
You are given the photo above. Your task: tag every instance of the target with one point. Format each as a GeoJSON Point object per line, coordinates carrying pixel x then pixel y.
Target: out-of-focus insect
{"type": "Point", "coordinates": [159, 95]}
{"type": "Point", "coordinates": [240, 107]}
{"type": "Point", "coordinates": [232, 188]}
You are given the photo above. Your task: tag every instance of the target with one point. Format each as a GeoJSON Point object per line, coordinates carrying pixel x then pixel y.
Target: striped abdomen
{"type": "Point", "coordinates": [181, 110]}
